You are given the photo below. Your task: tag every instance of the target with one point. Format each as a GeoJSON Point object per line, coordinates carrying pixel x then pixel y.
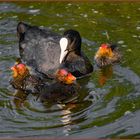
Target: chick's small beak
{"type": "Point", "coordinates": [70, 79]}
{"type": "Point", "coordinates": [73, 78]}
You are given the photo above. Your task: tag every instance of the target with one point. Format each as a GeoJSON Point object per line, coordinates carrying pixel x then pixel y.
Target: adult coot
{"type": "Point", "coordinates": [47, 51]}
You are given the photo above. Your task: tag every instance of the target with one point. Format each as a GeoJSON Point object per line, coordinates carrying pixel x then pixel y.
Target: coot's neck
{"type": "Point", "coordinates": [74, 47]}
{"type": "Point", "coordinates": [71, 53]}
{"type": "Point", "coordinates": [74, 50]}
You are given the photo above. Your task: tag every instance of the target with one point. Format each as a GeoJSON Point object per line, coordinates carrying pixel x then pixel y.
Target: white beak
{"type": "Point", "coordinates": [63, 45]}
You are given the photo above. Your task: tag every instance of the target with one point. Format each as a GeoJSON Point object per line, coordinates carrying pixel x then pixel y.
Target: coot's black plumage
{"type": "Point", "coordinates": [41, 48]}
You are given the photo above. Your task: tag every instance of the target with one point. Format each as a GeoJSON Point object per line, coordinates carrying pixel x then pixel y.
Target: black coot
{"type": "Point", "coordinates": [47, 51]}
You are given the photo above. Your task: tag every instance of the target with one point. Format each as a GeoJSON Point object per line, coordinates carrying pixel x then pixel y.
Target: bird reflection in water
{"type": "Point", "coordinates": [20, 98]}
{"type": "Point", "coordinates": [105, 73]}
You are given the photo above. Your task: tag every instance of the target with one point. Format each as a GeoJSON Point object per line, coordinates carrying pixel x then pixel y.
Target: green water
{"type": "Point", "coordinates": [108, 103]}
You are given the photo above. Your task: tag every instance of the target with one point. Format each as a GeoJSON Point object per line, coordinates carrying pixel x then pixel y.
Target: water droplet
{"type": "Point", "coordinates": [129, 50]}
{"type": "Point", "coordinates": [134, 106]}
{"type": "Point", "coordinates": [138, 27]}
{"type": "Point", "coordinates": [135, 36]}
{"type": "Point", "coordinates": [58, 15]}
{"type": "Point", "coordinates": [69, 4]}
{"type": "Point", "coordinates": [41, 26]}
{"type": "Point", "coordinates": [34, 11]}
{"type": "Point", "coordinates": [61, 29]}
{"type": "Point", "coordinates": [94, 22]}
{"type": "Point", "coordinates": [127, 112]}
{"type": "Point", "coordinates": [31, 6]}
{"type": "Point", "coordinates": [95, 12]}
{"type": "Point", "coordinates": [121, 42]}
{"type": "Point", "coordinates": [124, 46]}
{"type": "Point", "coordinates": [14, 17]}
{"type": "Point", "coordinates": [128, 17]}
{"type": "Point", "coordinates": [75, 25]}
{"type": "Point", "coordinates": [85, 15]}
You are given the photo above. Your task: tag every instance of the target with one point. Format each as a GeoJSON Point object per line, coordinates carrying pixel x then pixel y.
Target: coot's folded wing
{"type": "Point", "coordinates": [39, 48]}
{"type": "Point", "coordinates": [47, 55]}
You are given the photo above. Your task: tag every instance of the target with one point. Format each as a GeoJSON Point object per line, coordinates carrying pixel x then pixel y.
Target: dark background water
{"type": "Point", "coordinates": [108, 103]}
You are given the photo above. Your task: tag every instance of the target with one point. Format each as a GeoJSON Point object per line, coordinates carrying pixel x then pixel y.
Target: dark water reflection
{"type": "Point", "coordinates": [108, 102]}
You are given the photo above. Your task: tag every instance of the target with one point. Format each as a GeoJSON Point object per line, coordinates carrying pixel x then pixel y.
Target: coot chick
{"type": "Point", "coordinates": [65, 87]}
{"type": "Point", "coordinates": [107, 54]}
{"type": "Point", "coordinates": [23, 80]}
{"type": "Point", "coordinates": [47, 51]}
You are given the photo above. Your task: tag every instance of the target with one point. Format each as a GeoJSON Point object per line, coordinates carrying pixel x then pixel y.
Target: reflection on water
{"type": "Point", "coordinates": [19, 98]}
{"type": "Point", "coordinates": [108, 102]}
{"type": "Point", "coordinates": [105, 74]}
{"type": "Point", "coordinates": [66, 119]}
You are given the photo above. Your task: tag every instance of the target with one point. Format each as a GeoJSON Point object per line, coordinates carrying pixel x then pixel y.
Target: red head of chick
{"type": "Point", "coordinates": [20, 71]}
{"type": "Point", "coordinates": [22, 79]}
{"type": "Point", "coordinates": [65, 77]}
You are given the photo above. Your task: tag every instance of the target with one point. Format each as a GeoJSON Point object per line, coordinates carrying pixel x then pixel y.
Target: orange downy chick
{"type": "Point", "coordinates": [104, 51]}
{"type": "Point", "coordinates": [64, 76]}
{"type": "Point", "coordinates": [20, 71]}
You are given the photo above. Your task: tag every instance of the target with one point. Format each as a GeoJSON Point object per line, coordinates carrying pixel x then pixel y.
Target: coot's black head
{"type": "Point", "coordinates": [70, 42]}
{"type": "Point", "coordinates": [21, 29]}
{"type": "Point", "coordinates": [74, 40]}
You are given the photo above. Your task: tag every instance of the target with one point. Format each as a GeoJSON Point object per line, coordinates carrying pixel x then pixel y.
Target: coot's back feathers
{"type": "Point", "coordinates": [37, 48]}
